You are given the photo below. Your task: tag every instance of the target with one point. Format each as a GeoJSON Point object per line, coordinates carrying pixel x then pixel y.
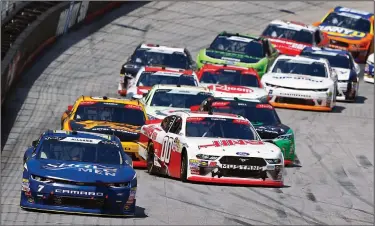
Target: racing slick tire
{"type": "Point", "coordinates": [151, 169]}
{"type": "Point", "coordinates": [184, 166]}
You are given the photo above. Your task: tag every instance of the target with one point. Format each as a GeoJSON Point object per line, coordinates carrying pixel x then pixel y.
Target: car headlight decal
{"type": "Point", "coordinates": [273, 161]}
{"type": "Point", "coordinates": [206, 157]}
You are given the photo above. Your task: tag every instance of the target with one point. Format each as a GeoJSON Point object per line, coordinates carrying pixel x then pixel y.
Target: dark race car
{"type": "Point", "coordinates": [261, 115]}
{"type": "Point", "coordinates": [158, 56]}
{"type": "Point", "coordinates": [78, 172]}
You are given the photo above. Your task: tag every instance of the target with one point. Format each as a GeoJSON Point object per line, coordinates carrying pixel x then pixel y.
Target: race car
{"type": "Point", "coordinates": [120, 117]}
{"type": "Point", "coordinates": [351, 30]}
{"type": "Point", "coordinates": [239, 50]}
{"type": "Point", "coordinates": [226, 80]}
{"type": "Point", "coordinates": [78, 172]}
{"type": "Point", "coordinates": [212, 148]}
{"type": "Point", "coordinates": [346, 68]}
{"type": "Point", "coordinates": [369, 69]}
{"type": "Point", "coordinates": [291, 37]}
{"type": "Point", "coordinates": [147, 77]}
{"type": "Point", "coordinates": [163, 99]}
{"type": "Point", "coordinates": [262, 116]}
{"type": "Point", "coordinates": [299, 82]}
{"type": "Point", "coordinates": [155, 55]}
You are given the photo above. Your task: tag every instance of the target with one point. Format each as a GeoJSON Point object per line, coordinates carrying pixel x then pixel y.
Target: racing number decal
{"type": "Point", "coordinates": [40, 187]}
{"type": "Point", "coordinates": [166, 149]}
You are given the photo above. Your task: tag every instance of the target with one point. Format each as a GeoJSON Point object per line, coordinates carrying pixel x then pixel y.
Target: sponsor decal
{"type": "Point", "coordinates": [76, 192]}
{"type": "Point", "coordinates": [231, 89]}
{"type": "Point", "coordinates": [96, 169]}
{"type": "Point", "coordinates": [83, 103]}
{"type": "Point", "coordinates": [297, 78]}
{"type": "Point", "coordinates": [242, 153]}
{"type": "Point", "coordinates": [266, 106]}
{"type": "Point", "coordinates": [221, 143]}
{"type": "Point", "coordinates": [340, 31]}
{"type": "Point", "coordinates": [25, 186]}
{"type": "Point", "coordinates": [194, 119]}
{"type": "Point", "coordinates": [241, 167]}
{"type": "Point", "coordinates": [241, 121]}
{"type": "Point", "coordinates": [194, 162]}
{"type": "Point", "coordinates": [204, 163]}
{"type": "Point", "coordinates": [114, 130]}
{"type": "Point", "coordinates": [131, 106]}
{"type": "Point", "coordinates": [220, 104]}
{"type": "Point", "coordinates": [213, 164]}
{"type": "Point", "coordinates": [81, 140]}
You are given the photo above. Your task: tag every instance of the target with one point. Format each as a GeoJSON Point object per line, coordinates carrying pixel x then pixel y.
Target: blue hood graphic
{"type": "Point", "coordinates": [80, 171]}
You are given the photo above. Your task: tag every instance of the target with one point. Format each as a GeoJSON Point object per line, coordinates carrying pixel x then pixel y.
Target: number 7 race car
{"type": "Point", "coordinates": [212, 148]}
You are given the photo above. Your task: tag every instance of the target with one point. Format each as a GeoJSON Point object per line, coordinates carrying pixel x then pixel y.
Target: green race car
{"type": "Point", "coordinates": [239, 50]}
{"type": "Point", "coordinates": [262, 116]}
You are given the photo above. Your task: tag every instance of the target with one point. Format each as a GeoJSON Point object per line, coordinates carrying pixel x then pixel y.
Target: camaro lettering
{"type": "Point", "coordinates": [74, 192]}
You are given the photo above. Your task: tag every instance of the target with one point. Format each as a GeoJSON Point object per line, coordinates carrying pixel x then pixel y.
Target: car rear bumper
{"type": "Point", "coordinates": [131, 149]}
{"type": "Point", "coordinates": [237, 181]}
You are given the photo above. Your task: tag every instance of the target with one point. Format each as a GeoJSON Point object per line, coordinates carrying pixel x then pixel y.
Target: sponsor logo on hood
{"type": "Point", "coordinates": [227, 142]}
{"type": "Point", "coordinates": [297, 78]}
{"type": "Point", "coordinates": [231, 89]}
{"type": "Point", "coordinates": [87, 168]}
{"type": "Point", "coordinates": [343, 32]}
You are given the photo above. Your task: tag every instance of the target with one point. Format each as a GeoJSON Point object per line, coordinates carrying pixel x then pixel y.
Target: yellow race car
{"type": "Point", "coordinates": [120, 117]}
{"type": "Point", "coordinates": [350, 29]}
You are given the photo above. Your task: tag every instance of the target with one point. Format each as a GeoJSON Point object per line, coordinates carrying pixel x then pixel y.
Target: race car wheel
{"type": "Point", "coordinates": [183, 171]}
{"type": "Point", "coordinates": [151, 169]}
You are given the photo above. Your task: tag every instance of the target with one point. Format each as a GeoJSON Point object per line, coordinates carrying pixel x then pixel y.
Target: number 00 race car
{"type": "Point", "coordinates": [301, 83]}
{"type": "Point", "coordinates": [78, 172]}
{"type": "Point", "coordinates": [119, 117]}
{"type": "Point", "coordinates": [212, 148]}
{"type": "Point", "coordinates": [262, 116]}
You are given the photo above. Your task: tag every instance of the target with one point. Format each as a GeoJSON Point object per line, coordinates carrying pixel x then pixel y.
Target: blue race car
{"type": "Point", "coordinates": [343, 64]}
{"type": "Point", "coordinates": [78, 172]}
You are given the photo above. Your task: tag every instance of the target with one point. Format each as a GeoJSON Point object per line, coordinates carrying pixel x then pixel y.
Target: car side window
{"type": "Point", "coordinates": [177, 125]}
{"type": "Point", "coordinates": [167, 122]}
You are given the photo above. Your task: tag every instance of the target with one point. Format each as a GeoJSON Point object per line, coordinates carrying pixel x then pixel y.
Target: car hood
{"type": "Point", "coordinates": [270, 132]}
{"type": "Point", "coordinates": [288, 47]}
{"type": "Point", "coordinates": [162, 112]}
{"type": "Point", "coordinates": [80, 171]}
{"type": "Point", "coordinates": [211, 146]}
{"type": "Point", "coordinates": [124, 132]}
{"type": "Point", "coordinates": [296, 81]}
{"type": "Point", "coordinates": [342, 73]}
{"type": "Point", "coordinates": [236, 91]}
{"type": "Point", "coordinates": [340, 32]}
{"type": "Point", "coordinates": [230, 57]}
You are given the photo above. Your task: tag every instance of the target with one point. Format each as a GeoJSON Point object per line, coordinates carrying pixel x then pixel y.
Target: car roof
{"type": "Point", "coordinates": [294, 25]}
{"type": "Point", "coordinates": [215, 67]}
{"type": "Point", "coordinates": [183, 87]}
{"type": "Point", "coordinates": [104, 99]}
{"type": "Point", "coordinates": [187, 114]}
{"type": "Point", "coordinates": [353, 12]}
{"type": "Point", "coordinates": [325, 50]}
{"type": "Point", "coordinates": [162, 49]}
{"type": "Point", "coordinates": [167, 70]}
{"type": "Point", "coordinates": [78, 134]}
{"type": "Point", "coordinates": [303, 58]}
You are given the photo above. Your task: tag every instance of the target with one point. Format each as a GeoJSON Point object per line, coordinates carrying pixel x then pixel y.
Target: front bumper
{"type": "Point", "coordinates": [112, 202]}
{"type": "Point", "coordinates": [131, 149]}
{"type": "Point", "coordinates": [302, 100]}
{"type": "Point", "coordinates": [230, 170]}
{"type": "Point", "coordinates": [347, 91]}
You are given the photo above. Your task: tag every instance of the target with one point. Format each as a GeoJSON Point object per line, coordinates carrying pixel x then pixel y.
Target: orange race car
{"type": "Point", "coordinates": [351, 30]}
{"type": "Point", "coordinates": [120, 117]}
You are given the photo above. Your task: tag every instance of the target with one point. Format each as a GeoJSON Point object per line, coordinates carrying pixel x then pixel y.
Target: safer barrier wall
{"type": "Point", "coordinates": [43, 32]}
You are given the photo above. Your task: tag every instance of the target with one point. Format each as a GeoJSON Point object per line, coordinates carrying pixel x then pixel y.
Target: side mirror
{"type": "Point", "coordinates": [34, 143]}
{"type": "Point", "coordinates": [70, 107]}
{"type": "Point", "coordinates": [194, 108]}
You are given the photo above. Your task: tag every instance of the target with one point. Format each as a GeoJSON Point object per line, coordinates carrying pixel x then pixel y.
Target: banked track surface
{"type": "Point", "coordinates": [333, 186]}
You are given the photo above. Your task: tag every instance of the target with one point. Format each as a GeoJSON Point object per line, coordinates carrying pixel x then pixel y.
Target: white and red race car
{"type": "Point", "coordinates": [147, 77]}
{"type": "Point", "coordinates": [210, 147]}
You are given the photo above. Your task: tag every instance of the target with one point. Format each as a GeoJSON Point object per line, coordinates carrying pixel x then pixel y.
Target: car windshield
{"type": "Point", "coordinates": [110, 112]}
{"type": "Point", "coordinates": [229, 77]}
{"type": "Point", "coordinates": [241, 45]}
{"type": "Point", "coordinates": [151, 78]}
{"type": "Point", "coordinates": [215, 127]}
{"type": "Point", "coordinates": [67, 149]}
{"type": "Point", "coordinates": [257, 114]}
{"type": "Point", "coordinates": [178, 98]}
{"type": "Point", "coordinates": [297, 35]}
{"type": "Point", "coordinates": [335, 60]}
{"type": "Point", "coordinates": [155, 58]}
{"type": "Point", "coordinates": [348, 21]}
{"type": "Point", "coordinates": [301, 67]}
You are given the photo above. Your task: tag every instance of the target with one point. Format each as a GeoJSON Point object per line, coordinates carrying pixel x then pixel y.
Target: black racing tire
{"type": "Point", "coordinates": [184, 165]}
{"type": "Point", "coordinates": [151, 169]}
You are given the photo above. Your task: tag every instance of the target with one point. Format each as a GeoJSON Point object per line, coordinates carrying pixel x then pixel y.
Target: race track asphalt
{"type": "Point", "coordinates": [334, 184]}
